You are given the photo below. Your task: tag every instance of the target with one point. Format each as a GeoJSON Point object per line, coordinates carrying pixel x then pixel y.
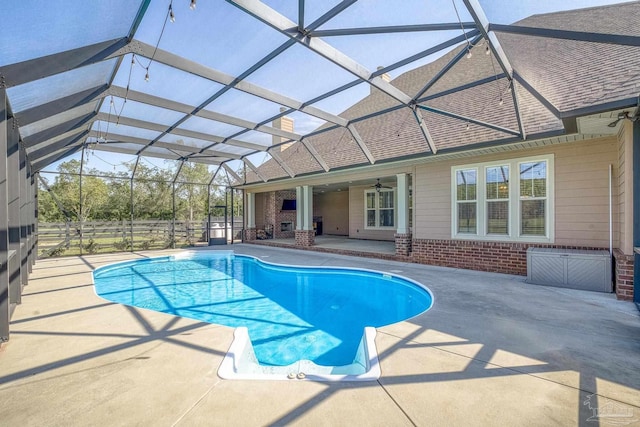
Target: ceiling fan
{"type": "Point", "coordinates": [379, 186]}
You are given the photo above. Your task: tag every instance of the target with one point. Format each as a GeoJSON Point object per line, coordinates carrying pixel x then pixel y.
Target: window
{"type": "Point", "coordinates": [533, 198]}
{"type": "Point", "coordinates": [466, 200]}
{"type": "Point", "coordinates": [506, 200]}
{"type": "Point", "coordinates": [497, 195]}
{"type": "Point", "coordinates": [380, 208]}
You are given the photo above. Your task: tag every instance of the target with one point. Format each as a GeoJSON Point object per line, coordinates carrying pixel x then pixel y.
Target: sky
{"type": "Point", "coordinates": [218, 35]}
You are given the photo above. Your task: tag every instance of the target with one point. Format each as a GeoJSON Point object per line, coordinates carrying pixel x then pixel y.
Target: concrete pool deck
{"type": "Point", "coordinates": [492, 350]}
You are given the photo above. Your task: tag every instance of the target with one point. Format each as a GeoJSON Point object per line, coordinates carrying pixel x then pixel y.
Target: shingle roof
{"type": "Point", "coordinates": [578, 74]}
{"type": "Point", "coordinates": [569, 74]}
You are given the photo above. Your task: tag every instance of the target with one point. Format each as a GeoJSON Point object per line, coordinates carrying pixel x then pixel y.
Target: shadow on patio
{"type": "Point", "coordinates": [491, 350]}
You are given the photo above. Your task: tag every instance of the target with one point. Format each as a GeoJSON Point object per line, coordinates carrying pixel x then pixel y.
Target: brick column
{"type": "Point", "coordinates": [250, 234]}
{"type": "Point", "coordinates": [623, 275]}
{"type": "Point", "coordinates": [305, 237]}
{"type": "Point", "coordinates": [403, 243]}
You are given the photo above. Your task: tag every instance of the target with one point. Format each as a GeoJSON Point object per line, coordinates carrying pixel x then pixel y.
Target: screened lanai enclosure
{"type": "Point", "coordinates": [131, 125]}
{"type": "Point", "coordinates": [136, 206]}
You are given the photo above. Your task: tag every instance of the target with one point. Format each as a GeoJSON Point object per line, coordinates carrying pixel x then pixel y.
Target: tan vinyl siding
{"type": "Point", "coordinates": [621, 187]}
{"type": "Point", "coordinates": [581, 180]}
{"type": "Point", "coordinates": [432, 201]}
{"type": "Point", "coordinates": [356, 218]}
{"type": "Point", "coordinates": [334, 209]}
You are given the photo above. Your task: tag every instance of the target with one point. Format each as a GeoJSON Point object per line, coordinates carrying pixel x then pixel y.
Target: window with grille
{"type": "Point", "coordinates": [503, 200]}
{"type": "Point", "coordinates": [380, 208]}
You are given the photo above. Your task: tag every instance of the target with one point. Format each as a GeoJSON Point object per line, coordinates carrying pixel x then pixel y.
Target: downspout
{"type": "Point", "coordinates": [610, 211]}
{"type": "Point", "coordinates": [636, 213]}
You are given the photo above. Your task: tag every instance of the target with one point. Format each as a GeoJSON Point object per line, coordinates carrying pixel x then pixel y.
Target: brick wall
{"type": "Point", "coordinates": [623, 265]}
{"type": "Point", "coordinates": [250, 234]}
{"type": "Point", "coordinates": [274, 215]}
{"type": "Point", "coordinates": [497, 257]}
{"type": "Point", "coordinates": [269, 210]}
{"type": "Point", "coordinates": [305, 237]}
{"type": "Point", "coordinates": [403, 244]}
{"type": "Point", "coordinates": [283, 216]}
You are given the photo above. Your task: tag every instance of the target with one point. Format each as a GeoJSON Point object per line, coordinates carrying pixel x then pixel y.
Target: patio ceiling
{"type": "Point", "coordinates": [121, 77]}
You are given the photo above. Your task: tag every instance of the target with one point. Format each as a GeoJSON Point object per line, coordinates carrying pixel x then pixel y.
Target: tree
{"type": "Point", "coordinates": [66, 188]}
{"type": "Point", "coordinates": [191, 196]}
{"type": "Point", "coordinates": [152, 193]}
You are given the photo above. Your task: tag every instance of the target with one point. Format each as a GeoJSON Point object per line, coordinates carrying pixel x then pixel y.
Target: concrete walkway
{"type": "Point", "coordinates": [492, 351]}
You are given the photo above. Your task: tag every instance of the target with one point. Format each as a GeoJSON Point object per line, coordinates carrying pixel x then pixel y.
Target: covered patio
{"type": "Point", "coordinates": [338, 245]}
{"type": "Point", "coordinates": [492, 349]}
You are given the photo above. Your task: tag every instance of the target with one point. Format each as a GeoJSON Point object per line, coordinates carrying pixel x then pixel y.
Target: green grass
{"type": "Point", "coordinates": [103, 245]}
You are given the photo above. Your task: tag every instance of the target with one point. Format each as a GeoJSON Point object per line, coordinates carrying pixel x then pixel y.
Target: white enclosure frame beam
{"type": "Point", "coordinates": [254, 169]}
{"type": "Point", "coordinates": [314, 153]}
{"type": "Point", "coordinates": [358, 139]}
{"type": "Point", "coordinates": [476, 11]}
{"type": "Point", "coordinates": [186, 149]}
{"type": "Point", "coordinates": [232, 173]}
{"type": "Point", "coordinates": [392, 29]}
{"type": "Point", "coordinates": [285, 26]}
{"type": "Point", "coordinates": [273, 152]}
{"type": "Point", "coordinates": [199, 70]}
{"type": "Point", "coordinates": [423, 128]}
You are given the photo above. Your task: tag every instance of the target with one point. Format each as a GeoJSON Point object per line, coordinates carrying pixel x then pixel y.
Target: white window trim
{"type": "Point", "coordinates": [514, 202]}
{"type": "Point", "coordinates": [377, 209]}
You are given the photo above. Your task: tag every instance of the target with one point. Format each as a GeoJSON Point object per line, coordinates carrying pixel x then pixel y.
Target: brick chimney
{"type": "Point", "coordinates": [284, 123]}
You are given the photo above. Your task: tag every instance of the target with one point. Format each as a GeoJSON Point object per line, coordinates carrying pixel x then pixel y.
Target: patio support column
{"type": "Point", "coordinates": [32, 211]}
{"type": "Point", "coordinates": [13, 207]}
{"type": "Point", "coordinates": [34, 218]}
{"type": "Point", "coordinates": [250, 213]}
{"type": "Point", "coordinates": [4, 223]}
{"type": "Point", "coordinates": [307, 193]}
{"type": "Point", "coordinates": [299, 208]}
{"type": "Point", "coordinates": [403, 235]}
{"type": "Point", "coordinates": [305, 235]}
{"type": "Point", "coordinates": [23, 178]}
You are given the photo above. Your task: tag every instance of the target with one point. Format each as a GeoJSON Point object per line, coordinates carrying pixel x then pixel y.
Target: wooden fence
{"type": "Point", "coordinates": [91, 237]}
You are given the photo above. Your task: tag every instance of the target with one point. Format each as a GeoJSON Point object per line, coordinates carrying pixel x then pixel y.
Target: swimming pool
{"type": "Point", "coordinates": [290, 313]}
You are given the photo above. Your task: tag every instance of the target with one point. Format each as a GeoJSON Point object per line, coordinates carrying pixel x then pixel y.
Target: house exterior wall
{"type": "Point", "coordinates": [334, 209]}
{"type": "Point", "coordinates": [283, 216]}
{"type": "Point", "coordinates": [581, 181]}
{"type": "Point", "coordinates": [260, 201]}
{"type": "Point", "coordinates": [623, 255]}
{"type": "Point", "coordinates": [269, 212]}
{"type": "Point", "coordinates": [581, 196]}
{"type": "Point", "coordinates": [357, 228]}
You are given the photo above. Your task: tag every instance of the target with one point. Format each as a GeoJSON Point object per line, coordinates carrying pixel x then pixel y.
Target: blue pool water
{"type": "Point", "coordinates": [292, 313]}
